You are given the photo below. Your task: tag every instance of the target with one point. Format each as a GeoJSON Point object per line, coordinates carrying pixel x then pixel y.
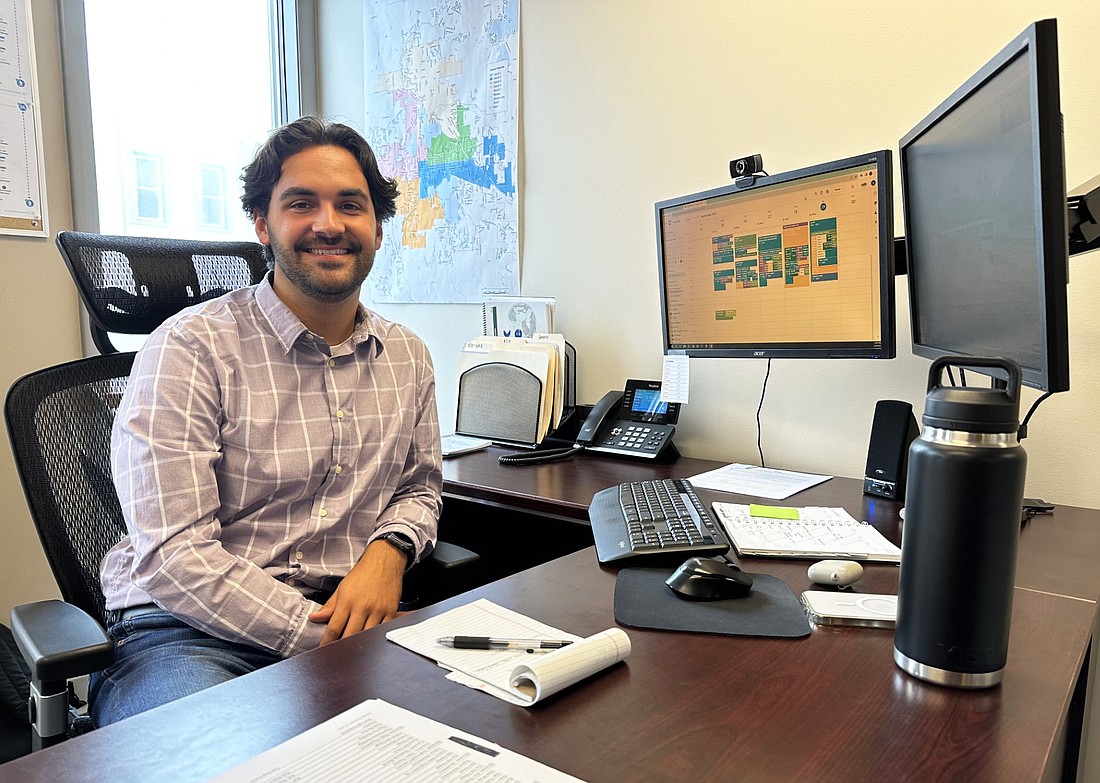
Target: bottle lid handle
{"type": "Point", "coordinates": [935, 373]}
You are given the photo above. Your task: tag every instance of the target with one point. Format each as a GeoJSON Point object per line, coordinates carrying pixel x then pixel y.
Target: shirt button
{"type": "Point", "coordinates": [339, 468]}
{"type": "Point", "coordinates": [331, 362]}
{"type": "Point", "coordinates": [323, 512]}
{"type": "Point", "coordinates": [340, 413]}
{"type": "Point", "coordinates": [291, 582]}
{"type": "Point", "coordinates": [298, 555]}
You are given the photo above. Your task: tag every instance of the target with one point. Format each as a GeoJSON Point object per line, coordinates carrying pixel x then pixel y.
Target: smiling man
{"type": "Point", "coordinates": [276, 453]}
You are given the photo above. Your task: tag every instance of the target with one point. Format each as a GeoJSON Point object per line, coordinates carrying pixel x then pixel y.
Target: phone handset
{"type": "Point", "coordinates": [601, 411]}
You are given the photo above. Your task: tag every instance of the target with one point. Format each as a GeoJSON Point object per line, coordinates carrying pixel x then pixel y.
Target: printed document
{"type": "Point", "coordinates": [377, 741]}
{"type": "Point", "coordinates": [756, 481]}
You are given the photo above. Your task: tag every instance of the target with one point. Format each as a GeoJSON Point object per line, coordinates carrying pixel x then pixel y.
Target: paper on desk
{"type": "Point", "coordinates": [377, 741]}
{"type": "Point", "coordinates": [453, 444]}
{"type": "Point", "coordinates": [756, 481]}
{"type": "Point", "coordinates": [544, 675]}
{"type": "Point", "coordinates": [515, 676]}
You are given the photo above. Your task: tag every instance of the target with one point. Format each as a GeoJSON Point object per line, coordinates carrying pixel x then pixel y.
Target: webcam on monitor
{"type": "Point", "coordinates": [745, 170]}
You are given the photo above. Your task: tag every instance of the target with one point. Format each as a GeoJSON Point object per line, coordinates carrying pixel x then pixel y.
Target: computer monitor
{"type": "Point", "coordinates": [796, 265]}
{"type": "Point", "coordinates": [984, 199]}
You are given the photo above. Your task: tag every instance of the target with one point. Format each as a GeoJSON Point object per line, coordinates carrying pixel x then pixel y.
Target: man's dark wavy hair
{"type": "Point", "coordinates": [263, 172]}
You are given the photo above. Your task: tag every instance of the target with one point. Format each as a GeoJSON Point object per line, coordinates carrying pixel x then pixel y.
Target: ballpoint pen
{"type": "Point", "coordinates": [489, 643]}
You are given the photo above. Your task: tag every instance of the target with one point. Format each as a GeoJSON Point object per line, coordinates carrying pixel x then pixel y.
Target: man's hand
{"type": "Point", "coordinates": [367, 596]}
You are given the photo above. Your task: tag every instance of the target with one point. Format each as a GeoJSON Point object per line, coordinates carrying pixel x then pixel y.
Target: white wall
{"type": "Point", "coordinates": [627, 102]}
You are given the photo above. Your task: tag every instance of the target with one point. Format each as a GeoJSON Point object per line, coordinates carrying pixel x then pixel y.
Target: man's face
{"type": "Point", "coordinates": [321, 225]}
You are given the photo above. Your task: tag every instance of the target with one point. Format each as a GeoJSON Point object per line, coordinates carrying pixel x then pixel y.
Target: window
{"type": "Point", "coordinates": [212, 195]}
{"type": "Point", "coordinates": [148, 188]}
{"type": "Point", "coordinates": [172, 123]}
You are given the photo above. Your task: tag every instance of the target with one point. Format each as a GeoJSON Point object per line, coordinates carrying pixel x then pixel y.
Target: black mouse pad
{"type": "Point", "coordinates": [642, 599]}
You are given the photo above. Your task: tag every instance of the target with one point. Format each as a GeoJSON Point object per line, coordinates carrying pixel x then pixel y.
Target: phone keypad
{"type": "Point", "coordinates": [635, 437]}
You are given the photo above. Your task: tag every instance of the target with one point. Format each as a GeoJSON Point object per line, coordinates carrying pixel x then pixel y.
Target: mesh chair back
{"type": "Point", "coordinates": [130, 285]}
{"type": "Point", "coordinates": [59, 421]}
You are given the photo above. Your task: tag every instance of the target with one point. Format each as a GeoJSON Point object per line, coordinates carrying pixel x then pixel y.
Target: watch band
{"type": "Point", "coordinates": [403, 543]}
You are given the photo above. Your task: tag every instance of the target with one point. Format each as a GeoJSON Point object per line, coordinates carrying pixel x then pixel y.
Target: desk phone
{"type": "Point", "coordinates": [632, 423]}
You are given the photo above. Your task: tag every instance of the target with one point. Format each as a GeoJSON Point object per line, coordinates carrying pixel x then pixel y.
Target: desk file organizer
{"type": "Point", "coordinates": [503, 402]}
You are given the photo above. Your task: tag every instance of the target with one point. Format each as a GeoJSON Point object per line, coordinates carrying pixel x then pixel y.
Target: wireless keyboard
{"type": "Point", "coordinates": [655, 522]}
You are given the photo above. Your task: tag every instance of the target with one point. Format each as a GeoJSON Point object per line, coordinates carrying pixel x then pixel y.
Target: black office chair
{"type": "Point", "coordinates": [59, 421]}
{"type": "Point", "coordinates": [130, 285]}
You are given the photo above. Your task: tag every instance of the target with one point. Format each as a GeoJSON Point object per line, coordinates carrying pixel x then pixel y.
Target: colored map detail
{"type": "Point", "coordinates": [725, 315]}
{"type": "Point", "coordinates": [420, 214]}
{"type": "Point", "coordinates": [459, 158]}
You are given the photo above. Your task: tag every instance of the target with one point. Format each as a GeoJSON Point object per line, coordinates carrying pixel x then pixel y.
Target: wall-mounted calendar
{"type": "Point", "coordinates": [22, 172]}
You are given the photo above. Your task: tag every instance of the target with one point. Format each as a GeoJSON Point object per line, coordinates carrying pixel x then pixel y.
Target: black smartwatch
{"type": "Point", "coordinates": [405, 544]}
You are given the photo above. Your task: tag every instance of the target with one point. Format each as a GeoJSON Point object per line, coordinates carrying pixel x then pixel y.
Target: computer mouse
{"type": "Point", "coordinates": [704, 579]}
{"type": "Point", "coordinates": [838, 573]}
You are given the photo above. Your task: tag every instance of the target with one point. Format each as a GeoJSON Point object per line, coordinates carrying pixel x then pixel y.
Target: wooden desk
{"type": "Point", "coordinates": [684, 706]}
{"type": "Point", "coordinates": [555, 489]}
{"type": "Point", "coordinates": [517, 517]}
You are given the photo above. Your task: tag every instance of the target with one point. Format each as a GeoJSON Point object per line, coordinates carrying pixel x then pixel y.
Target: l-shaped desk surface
{"type": "Point", "coordinates": [684, 706]}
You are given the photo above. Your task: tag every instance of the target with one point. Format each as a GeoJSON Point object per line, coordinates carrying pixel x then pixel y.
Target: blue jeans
{"type": "Point", "coordinates": [159, 659]}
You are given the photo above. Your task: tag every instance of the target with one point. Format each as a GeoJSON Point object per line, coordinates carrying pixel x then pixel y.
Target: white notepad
{"type": "Point", "coordinates": [815, 533]}
{"type": "Point", "coordinates": [515, 676]}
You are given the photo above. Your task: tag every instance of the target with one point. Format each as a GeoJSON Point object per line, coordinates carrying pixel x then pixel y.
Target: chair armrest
{"type": "Point", "coordinates": [446, 556]}
{"type": "Point", "coordinates": [448, 570]}
{"type": "Point", "coordinates": [60, 641]}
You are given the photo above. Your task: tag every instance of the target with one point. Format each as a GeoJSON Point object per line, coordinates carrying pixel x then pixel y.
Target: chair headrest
{"type": "Point", "coordinates": [130, 285]}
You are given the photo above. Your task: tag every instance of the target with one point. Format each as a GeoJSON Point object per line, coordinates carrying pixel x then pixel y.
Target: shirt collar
{"type": "Point", "coordinates": [288, 328]}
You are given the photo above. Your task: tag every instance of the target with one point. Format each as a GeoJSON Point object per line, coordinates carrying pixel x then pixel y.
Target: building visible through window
{"type": "Point", "coordinates": [173, 119]}
{"type": "Point", "coordinates": [149, 187]}
{"type": "Point", "coordinates": [212, 188]}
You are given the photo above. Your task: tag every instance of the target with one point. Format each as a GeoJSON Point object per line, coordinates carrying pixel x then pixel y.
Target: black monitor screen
{"type": "Point", "coordinates": [796, 265]}
{"type": "Point", "coordinates": [985, 216]}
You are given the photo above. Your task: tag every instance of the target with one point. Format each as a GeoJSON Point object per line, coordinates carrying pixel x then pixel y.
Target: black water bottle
{"type": "Point", "coordinates": [965, 488]}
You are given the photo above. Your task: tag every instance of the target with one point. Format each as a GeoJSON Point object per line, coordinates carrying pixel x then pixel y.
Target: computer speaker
{"type": "Point", "coordinates": [893, 429]}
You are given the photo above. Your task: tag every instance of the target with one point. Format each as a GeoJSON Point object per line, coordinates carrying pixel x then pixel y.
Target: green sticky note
{"type": "Point", "coordinates": [773, 512]}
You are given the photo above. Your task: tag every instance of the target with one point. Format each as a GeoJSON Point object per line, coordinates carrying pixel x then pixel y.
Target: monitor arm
{"type": "Point", "coordinates": [1084, 217]}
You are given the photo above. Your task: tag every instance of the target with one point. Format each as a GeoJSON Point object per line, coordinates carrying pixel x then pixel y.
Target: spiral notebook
{"type": "Point", "coordinates": [811, 532]}
{"type": "Point", "coordinates": [518, 316]}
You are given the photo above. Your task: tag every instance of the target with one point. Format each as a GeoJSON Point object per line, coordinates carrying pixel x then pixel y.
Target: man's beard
{"type": "Point", "coordinates": [318, 286]}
